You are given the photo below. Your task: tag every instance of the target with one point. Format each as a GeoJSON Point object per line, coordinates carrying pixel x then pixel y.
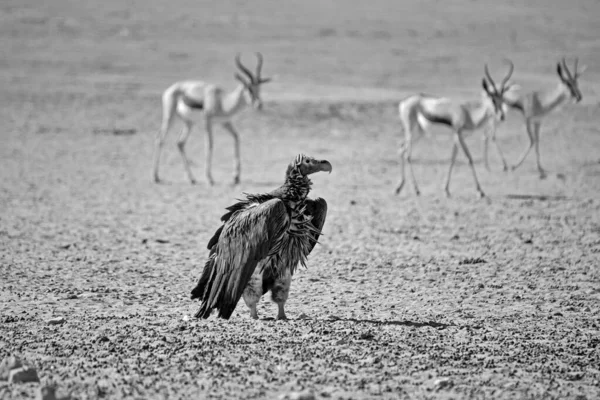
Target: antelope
{"type": "Point", "coordinates": [418, 111]}
{"type": "Point", "coordinates": [194, 101]}
{"type": "Point", "coordinates": [534, 106]}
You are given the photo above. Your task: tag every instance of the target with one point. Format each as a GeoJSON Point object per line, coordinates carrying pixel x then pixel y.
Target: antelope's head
{"type": "Point", "coordinates": [496, 94]}
{"type": "Point", "coordinates": [570, 80]}
{"type": "Point", "coordinates": [251, 81]}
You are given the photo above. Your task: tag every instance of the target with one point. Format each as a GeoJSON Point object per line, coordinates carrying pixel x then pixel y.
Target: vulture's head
{"type": "Point", "coordinates": [306, 165]}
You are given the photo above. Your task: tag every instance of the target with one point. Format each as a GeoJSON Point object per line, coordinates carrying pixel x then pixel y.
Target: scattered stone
{"type": "Point", "coordinates": [304, 395]}
{"type": "Point", "coordinates": [102, 339]}
{"type": "Point", "coordinates": [23, 374]}
{"type": "Point", "coordinates": [8, 364]}
{"type": "Point", "coordinates": [528, 241]}
{"type": "Point", "coordinates": [46, 393]}
{"type": "Point", "coordinates": [442, 384]}
{"type": "Point", "coordinates": [56, 321]}
{"type": "Point", "coordinates": [574, 376]}
{"type": "Point", "coordinates": [302, 316]}
{"type": "Point", "coordinates": [161, 241]}
{"type": "Point", "coordinates": [477, 260]}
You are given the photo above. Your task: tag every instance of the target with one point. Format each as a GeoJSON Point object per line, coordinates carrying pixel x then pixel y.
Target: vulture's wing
{"type": "Point", "coordinates": [318, 209]}
{"type": "Point", "coordinates": [248, 236]}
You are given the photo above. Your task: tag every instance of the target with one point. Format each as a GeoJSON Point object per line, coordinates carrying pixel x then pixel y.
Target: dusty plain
{"type": "Point", "coordinates": [405, 297]}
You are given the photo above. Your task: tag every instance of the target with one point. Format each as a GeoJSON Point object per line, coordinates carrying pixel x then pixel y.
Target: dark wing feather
{"type": "Point", "coordinates": [318, 209]}
{"type": "Point", "coordinates": [248, 236]}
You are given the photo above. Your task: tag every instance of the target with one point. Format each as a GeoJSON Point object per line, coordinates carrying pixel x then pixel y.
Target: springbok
{"type": "Point", "coordinates": [194, 101]}
{"type": "Point", "coordinates": [534, 106]}
{"type": "Point", "coordinates": [418, 111]}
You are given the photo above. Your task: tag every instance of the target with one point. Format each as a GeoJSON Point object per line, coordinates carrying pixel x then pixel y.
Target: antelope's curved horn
{"type": "Point", "coordinates": [259, 64]}
{"type": "Point", "coordinates": [566, 69]}
{"type": "Point", "coordinates": [245, 70]}
{"type": "Point", "coordinates": [511, 68]}
{"type": "Point", "coordinates": [489, 77]}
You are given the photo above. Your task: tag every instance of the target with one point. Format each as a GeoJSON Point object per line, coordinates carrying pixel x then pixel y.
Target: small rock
{"type": "Point", "coordinates": [528, 241]}
{"type": "Point", "coordinates": [305, 395]}
{"type": "Point", "coordinates": [23, 374]}
{"type": "Point", "coordinates": [102, 339]}
{"type": "Point", "coordinates": [352, 202]}
{"type": "Point", "coordinates": [574, 376]}
{"type": "Point", "coordinates": [56, 321]}
{"type": "Point", "coordinates": [46, 393]}
{"type": "Point", "coordinates": [302, 316]}
{"type": "Point", "coordinates": [8, 364]}
{"type": "Point", "coordinates": [442, 383]}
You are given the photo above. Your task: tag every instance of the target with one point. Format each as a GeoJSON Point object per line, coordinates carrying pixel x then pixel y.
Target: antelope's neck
{"type": "Point", "coordinates": [481, 112]}
{"type": "Point", "coordinates": [235, 101]}
{"type": "Point", "coordinates": [555, 98]}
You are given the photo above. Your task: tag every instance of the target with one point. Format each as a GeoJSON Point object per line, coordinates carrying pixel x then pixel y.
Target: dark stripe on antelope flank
{"type": "Point", "coordinates": [516, 105]}
{"type": "Point", "coordinates": [437, 119]}
{"type": "Point", "coordinates": [191, 103]}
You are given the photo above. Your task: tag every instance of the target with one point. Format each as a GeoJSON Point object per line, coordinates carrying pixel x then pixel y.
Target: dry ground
{"type": "Point", "coordinates": [392, 305]}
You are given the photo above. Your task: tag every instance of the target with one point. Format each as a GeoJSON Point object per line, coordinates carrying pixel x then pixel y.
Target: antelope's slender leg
{"type": "Point", "coordinates": [536, 136]}
{"type": "Point", "coordinates": [463, 145]}
{"type": "Point", "coordinates": [528, 124]}
{"type": "Point", "coordinates": [183, 137]}
{"type": "Point", "coordinates": [208, 151]}
{"type": "Point", "coordinates": [402, 178]}
{"type": "Point", "coordinates": [452, 161]}
{"type": "Point", "coordinates": [490, 134]}
{"type": "Point", "coordinates": [499, 150]}
{"type": "Point", "coordinates": [408, 157]}
{"type": "Point", "coordinates": [486, 142]}
{"type": "Point", "coordinates": [237, 163]}
{"type": "Point", "coordinates": [159, 143]}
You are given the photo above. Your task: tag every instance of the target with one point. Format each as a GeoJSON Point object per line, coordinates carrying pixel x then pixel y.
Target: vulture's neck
{"type": "Point", "coordinates": [296, 186]}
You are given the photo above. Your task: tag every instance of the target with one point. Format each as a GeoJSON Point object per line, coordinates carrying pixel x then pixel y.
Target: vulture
{"type": "Point", "coordinates": [262, 240]}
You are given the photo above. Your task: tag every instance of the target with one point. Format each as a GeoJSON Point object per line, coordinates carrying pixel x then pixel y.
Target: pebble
{"type": "Point", "coordinates": [8, 364]}
{"type": "Point", "coordinates": [443, 383]}
{"type": "Point", "coordinates": [46, 393]}
{"type": "Point", "coordinates": [23, 374]}
{"type": "Point", "coordinates": [305, 395]}
{"type": "Point", "coordinates": [57, 321]}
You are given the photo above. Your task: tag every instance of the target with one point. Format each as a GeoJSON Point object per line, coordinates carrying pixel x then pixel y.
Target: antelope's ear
{"type": "Point", "coordinates": [485, 86]}
{"type": "Point", "coordinates": [559, 70]}
{"type": "Point", "coordinates": [241, 79]}
{"type": "Point", "coordinates": [265, 80]}
{"type": "Point", "coordinates": [513, 86]}
{"type": "Point", "coordinates": [581, 70]}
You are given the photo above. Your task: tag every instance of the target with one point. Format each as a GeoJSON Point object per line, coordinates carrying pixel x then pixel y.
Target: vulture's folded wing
{"type": "Point", "coordinates": [248, 236]}
{"type": "Point", "coordinates": [318, 209]}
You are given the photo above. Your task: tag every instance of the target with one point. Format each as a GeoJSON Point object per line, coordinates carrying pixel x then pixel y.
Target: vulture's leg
{"type": "Point", "coordinates": [253, 293]}
{"type": "Point", "coordinates": [280, 292]}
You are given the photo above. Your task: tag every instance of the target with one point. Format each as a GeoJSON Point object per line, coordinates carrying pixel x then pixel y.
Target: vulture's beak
{"type": "Point", "coordinates": [325, 165]}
